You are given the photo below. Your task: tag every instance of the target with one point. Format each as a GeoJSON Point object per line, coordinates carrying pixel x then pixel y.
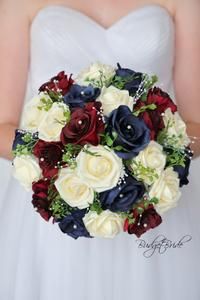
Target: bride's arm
{"type": "Point", "coordinates": [14, 57]}
{"type": "Point", "coordinates": [187, 66]}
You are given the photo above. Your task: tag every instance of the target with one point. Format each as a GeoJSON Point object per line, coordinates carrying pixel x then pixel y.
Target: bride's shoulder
{"type": "Point", "coordinates": [33, 7]}
{"type": "Point", "coordinates": [15, 9]}
{"type": "Point", "coordinates": [189, 5]}
{"type": "Point", "coordinates": [17, 5]}
{"type": "Point", "coordinates": [21, 8]}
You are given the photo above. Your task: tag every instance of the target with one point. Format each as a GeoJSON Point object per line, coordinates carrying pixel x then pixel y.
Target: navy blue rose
{"type": "Point", "coordinates": [130, 134]}
{"type": "Point", "coordinates": [183, 172]}
{"type": "Point", "coordinates": [123, 198]}
{"type": "Point", "coordinates": [132, 79]}
{"type": "Point", "coordinates": [19, 138]}
{"type": "Point", "coordinates": [73, 224]}
{"type": "Point", "coordinates": [78, 95]}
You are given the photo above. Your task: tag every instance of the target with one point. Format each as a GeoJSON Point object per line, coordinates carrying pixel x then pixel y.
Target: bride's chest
{"type": "Point", "coordinates": [104, 12]}
{"type": "Point", "coordinates": [63, 38]}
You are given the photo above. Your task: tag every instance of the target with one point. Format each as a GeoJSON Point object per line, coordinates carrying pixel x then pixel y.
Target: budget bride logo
{"type": "Point", "coordinates": [161, 244]}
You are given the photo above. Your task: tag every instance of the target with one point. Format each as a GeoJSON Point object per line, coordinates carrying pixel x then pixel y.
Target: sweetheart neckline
{"type": "Point", "coordinates": [91, 20]}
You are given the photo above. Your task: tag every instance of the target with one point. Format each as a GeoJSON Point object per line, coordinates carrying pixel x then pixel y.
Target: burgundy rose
{"type": "Point", "coordinates": [49, 155]}
{"type": "Point", "coordinates": [161, 99]}
{"type": "Point", "coordinates": [40, 198]}
{"type": "Point", "coordinates": [84, 127]}
{"type": "Point", "coordinates": [153, 118]}
{"type": "Point", "coordinates": [60, 83]}
{"type": "Point", "coordinates": [149, 219]}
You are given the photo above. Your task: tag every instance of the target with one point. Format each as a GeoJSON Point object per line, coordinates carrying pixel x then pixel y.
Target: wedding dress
{"type": "Point", "coordinates": [39, 262]}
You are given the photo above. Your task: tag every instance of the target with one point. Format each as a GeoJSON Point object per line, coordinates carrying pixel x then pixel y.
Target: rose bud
{"type": "Point", "coordinates": [60, 83]}
{"type": "Point", "coordinates": [40, 198]}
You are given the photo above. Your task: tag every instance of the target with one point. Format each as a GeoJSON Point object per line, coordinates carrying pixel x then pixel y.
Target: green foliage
{"type": "Point", "coordinates": [149, 82]}
{"type": "Point", "coordinates": [46, 104]}
{"type": "Point", "coordinates": [144, 108]}
{"type": "Point", "coordinates": [101, 82]}
{"type": "Point", "coordinates": [27, 137]}
{"type": "Point", "coordinates": [127, 215]}
{"type": "Point", "coordinates": [140, 207]}
{"type": "Point", "coordinates": [175, 154]}
{"type": "Point", "coordinates": [70, 153]}
{"type": "Point", "coordinates": [146, 83]}
{"type": "Point", "coordinates": [175, 157]}
{"type": "Point", "coordinates": [21, 150]}
{"type": "Point", "coordinates": [109, 141]}
{"type": "Point", "coordinates": [55, 96]}
{"type": "Point", "coordinates": [60, 208]}
{"type": "Point", "coordinates": [153, 200]}
{"type": "Point", "coordinates": [67, 115]}
{"type": "Point", "coordinates": [27, 148]}
{"type": "Point", "coordinates": [140, 172]}
{"type": "Point", "coordinates": [66, 119]}
{"type": "Point", "coordinates": [120, 82]}
{"type": "Point", "coordinates": [96, 205]}
{"type": "Point", "coordinates": [140, 210]}
{"type": "Point", "coordinates": [85, 149]}
{"type": "Point", "coordinates": [51, 97]}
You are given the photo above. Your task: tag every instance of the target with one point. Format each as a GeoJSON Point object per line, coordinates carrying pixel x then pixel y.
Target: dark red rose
{"type": "Point", "coordinates": [153, 118]}
{"type": "Point", "coordinates": [149, 219]}
{"type": "Point", "coordinates": [84, 127]}
{"type": "Point", "coordinates": [154, 122]}
{"type": "Point", "coordinates": [60, 83]}
{"type": "Point", "coordinates": [40, 198]}
{"type": "Point", "coordinates": [49, 155]}
{"type": "Point", "coordinates": [161, 99]}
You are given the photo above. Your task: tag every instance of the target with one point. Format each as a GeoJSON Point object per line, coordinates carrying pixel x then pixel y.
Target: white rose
{"type": "Point", "coordinates": [32, 114]}
{"type": "Point", "coordinates": [26, 170]}
{"type": "Point", "coordinates": [153, 158]}
{"type": "Point", "coordinates": [107, 224]}
{"type": "Point", "coordinates": [111, 98]}
{"type": "Point", "coordinates": [96, 72]}
{"type": "Point", "coordinates": [166, 189]}
{"type": "Point", "coordinates": [53, 122]}
{"type": "Point", "coordinates": [102, 170]}
{"type": "Point", "coordinates": [176, 127]}
{"type": "Point", "coordinates": [73, 190]}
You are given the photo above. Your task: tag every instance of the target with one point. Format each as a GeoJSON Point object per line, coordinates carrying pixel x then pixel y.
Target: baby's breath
{"type": "Point", "coordinates": [149, 82]}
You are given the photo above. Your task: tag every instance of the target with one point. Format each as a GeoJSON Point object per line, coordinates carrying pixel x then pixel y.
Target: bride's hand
{"type": "Point", "coordinates": [193, 130]}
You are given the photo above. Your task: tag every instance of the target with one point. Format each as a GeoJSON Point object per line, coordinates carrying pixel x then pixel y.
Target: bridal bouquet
{"type": "Point", "coordinates": [104, 153]}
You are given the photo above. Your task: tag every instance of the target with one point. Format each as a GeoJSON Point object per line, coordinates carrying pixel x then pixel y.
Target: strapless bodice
{"type": "Point", "coordinates": [65, 39]}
